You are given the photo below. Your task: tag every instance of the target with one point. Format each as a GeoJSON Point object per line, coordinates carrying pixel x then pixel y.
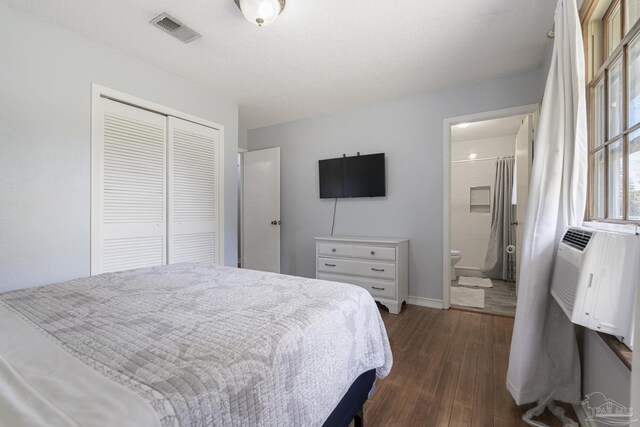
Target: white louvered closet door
{"type": "Point", "coordinates": [129, 189]}
{"type": "Point", "coordinates": [193, 192]}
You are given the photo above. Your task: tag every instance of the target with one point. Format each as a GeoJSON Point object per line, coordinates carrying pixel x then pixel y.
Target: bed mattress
{"type": "Point", "coordinates": [204, 345]}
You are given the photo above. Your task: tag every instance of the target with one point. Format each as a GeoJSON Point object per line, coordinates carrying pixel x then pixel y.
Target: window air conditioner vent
{"type": "Point", "coordinates": [171, 25]}
{"type": "Point", "coordinates": [578, 239]}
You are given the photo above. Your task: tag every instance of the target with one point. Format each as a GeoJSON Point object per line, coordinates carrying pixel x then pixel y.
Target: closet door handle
{"type": "Point", "coordinates": [329, 265]}
{"type": "Point", "coordinates": [377, 289]}
{"type": "Point", "coordinates": [377, 269]}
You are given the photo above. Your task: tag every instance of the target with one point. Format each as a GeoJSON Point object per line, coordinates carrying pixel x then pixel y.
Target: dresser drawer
{"type": "Point", "coordinates": [350, 267]}
{"type": "Point", "coordinates": [331, 249]}
{"type": "Point", "coordinates": [375, 252]}
{"type": "Point", "coordinates": [377, 288]}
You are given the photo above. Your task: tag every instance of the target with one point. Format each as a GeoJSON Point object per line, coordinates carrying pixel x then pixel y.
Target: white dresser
{"type": "Point", "coordinates": [379, 265]}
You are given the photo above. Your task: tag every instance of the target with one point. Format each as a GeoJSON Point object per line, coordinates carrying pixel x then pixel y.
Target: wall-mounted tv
{"type": "Point", "coordinates": [357, 176]}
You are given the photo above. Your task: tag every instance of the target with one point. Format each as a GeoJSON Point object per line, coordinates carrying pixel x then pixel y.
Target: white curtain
{"type": "Point", "coordinates": [544, 363]}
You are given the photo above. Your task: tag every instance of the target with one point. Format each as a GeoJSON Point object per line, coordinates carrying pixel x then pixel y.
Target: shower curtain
{"type": "Point", "coordinates": [544, 363]}
{"type": "Point", "coordinates": [499, 264]}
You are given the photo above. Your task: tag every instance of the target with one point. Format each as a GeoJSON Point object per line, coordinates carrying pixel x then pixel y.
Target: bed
{"type": "Point", "coordinates": [189, 345]}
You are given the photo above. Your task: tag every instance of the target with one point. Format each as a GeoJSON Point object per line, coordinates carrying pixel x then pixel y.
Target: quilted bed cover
{"type": "Point", "coordinates": [204, 345]}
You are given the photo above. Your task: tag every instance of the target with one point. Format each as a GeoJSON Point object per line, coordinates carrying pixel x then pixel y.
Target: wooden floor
{"type": "Point", "coordinates": [449, 369]}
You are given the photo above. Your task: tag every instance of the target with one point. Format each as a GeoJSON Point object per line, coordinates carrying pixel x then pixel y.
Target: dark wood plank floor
{"type": "Point", "coordinates": [449, 369]}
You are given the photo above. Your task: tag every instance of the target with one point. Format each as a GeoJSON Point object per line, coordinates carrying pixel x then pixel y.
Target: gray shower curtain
{"type": "Point", "coordinates": [498, 263]}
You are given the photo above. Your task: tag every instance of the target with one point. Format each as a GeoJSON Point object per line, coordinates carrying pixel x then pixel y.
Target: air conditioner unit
{"type": "Point", "coordinates": [595, 279]}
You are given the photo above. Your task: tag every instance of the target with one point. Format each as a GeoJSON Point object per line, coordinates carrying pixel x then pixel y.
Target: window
{"type": "Point", "coordinates": [612, 39]}
{"type": "Point", "coordinates": [613, 24]}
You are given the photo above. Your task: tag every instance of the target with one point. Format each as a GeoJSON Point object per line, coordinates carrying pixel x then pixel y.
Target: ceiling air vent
{"type": "Point", "coordinates": [171, 25]}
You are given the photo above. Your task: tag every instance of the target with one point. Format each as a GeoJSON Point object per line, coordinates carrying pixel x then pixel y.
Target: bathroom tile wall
{"type": "Point", "coordinates": [470, 230]}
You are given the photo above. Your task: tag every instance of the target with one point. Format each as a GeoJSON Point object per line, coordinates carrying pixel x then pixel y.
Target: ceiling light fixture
{"type": "Point", "coordinates": [462, 125]}
{"type": "Point", "coordinates": [261, 12]}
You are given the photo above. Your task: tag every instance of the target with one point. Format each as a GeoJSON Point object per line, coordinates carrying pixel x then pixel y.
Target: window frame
{"type": "Point", "coordinates": [606, 22]}
{"type": "Point", "coordinates": [595, 76]}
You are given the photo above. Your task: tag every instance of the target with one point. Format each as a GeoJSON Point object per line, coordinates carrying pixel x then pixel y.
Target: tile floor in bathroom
{"type": "Point", "coordinates": [501, 299]}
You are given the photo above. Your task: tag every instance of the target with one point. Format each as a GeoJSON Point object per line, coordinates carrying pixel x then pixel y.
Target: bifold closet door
{"type": "Point", "coordinates": [194, 192]}
{"type": "Point", "coordinates": [129, 188]}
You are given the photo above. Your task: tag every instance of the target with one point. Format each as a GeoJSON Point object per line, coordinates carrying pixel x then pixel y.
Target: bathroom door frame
{"type": "Point", "coordinates": [533, 109]}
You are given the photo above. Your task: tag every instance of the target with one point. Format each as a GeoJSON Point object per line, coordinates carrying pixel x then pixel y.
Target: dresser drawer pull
{"type": "Point", "coordinates": [377, 269]}
{"type": "Point", "coordinates": [377, 289]}
{"type": "Point", "coordinates": [333, 249]}
{"type": "Point", "coordinates": [329, 265]}
{"type": "Point", "coordinates": [373, 252]}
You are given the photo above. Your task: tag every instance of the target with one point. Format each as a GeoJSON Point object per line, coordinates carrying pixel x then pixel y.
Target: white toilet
{"type": "Point", "coordinates": [456, 256]}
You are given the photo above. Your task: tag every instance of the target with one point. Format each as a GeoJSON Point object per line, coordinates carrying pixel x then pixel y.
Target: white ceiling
{"type": "Point", "coordinates": [487, 129]}
{"type": "Point", "coordinates": [320, 56]}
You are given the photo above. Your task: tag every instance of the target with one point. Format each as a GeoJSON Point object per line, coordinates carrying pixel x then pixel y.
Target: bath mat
{"type": "Point", "coordinates": [478, 282]}
{"type": "Point", "coordinates": [466, 297]}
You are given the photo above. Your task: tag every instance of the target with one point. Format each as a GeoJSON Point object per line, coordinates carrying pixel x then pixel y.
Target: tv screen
{"type": "Point", "coordinates": [357, 176]}
{"type": "Point", "coordinates": [331, 178]}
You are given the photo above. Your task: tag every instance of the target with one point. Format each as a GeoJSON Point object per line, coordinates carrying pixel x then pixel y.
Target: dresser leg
{"type": "Point", "coordinates": [394, 307]}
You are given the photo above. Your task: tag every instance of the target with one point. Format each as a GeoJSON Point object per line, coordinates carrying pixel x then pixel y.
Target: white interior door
{"type": "Point", "coordinates": [524, 150]}
{"type": "Point", "coordinates": [128, 194]}
{"type": "Point", "coordinates": [261, 202]}
{"type": "Point", "coordinates": [194, 193]}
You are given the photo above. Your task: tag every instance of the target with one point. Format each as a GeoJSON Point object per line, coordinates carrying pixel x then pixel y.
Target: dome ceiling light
{"type": "Point", "coordinates": [261, 12]}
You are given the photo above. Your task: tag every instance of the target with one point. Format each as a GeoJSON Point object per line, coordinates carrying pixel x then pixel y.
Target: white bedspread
{"type": "Point", "coordinates": [202, 345]}
{"type": "Point", "coordinates": [41, 385]}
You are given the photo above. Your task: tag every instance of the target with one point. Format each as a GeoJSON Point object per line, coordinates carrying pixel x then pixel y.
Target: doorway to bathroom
{"type": "Point", "coordinates": [488, 166]}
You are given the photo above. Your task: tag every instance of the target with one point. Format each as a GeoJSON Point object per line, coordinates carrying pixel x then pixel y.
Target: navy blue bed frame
{"type": "Point", "coordinates": [350, 407]}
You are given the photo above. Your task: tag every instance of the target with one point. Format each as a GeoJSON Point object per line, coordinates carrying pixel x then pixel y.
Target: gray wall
{"type": "Point", "coordinates": [409, 131]}
{"type": "Point", "coordinates": [635, 378]}
{"type": "Point", "coordinates": [45, 124]}
{"type": "Point", "coordinates": [242, 138]}
{"type": "Point", "coordinates": [602, 370]}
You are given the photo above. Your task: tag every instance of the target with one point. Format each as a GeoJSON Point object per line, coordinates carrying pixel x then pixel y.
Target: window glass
{"type": "Point", "coordinates": [614, 33]}
{"type": "Point", "coordinates": [598, 114]}
{"type": "Point", "coordinates": [634, 82]}
{"type": "Point", "coordinates": [614, 110]}
{"type": "Point", "coordinates": [634, 175]}
{"type": "Point", "coordinates": [615, 99]}
{"type": "Point", "coordinates": [616, 179]}
{"type": "Point", "coordinates": [598, 184]}
{"type": "Point", "coordinates": [632, 13]}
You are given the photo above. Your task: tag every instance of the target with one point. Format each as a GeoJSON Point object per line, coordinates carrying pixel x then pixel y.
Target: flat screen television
{"type": "Point", "coordinates": [357, 176]}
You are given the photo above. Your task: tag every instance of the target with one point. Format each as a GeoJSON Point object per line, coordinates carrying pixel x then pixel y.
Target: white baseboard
{"type": "Point", "coordinates": [425, 302]}
{"type": "Point", "coordinates": [467, 267]}
{"type": "Point", "coordinates": [469, 272]}
{"type": "Point", "coordinates": [582, 416]}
